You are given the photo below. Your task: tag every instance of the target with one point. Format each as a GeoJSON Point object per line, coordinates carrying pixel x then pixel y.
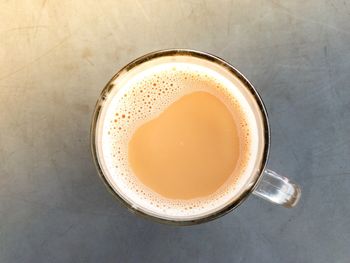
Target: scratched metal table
{"type": "Point", "coordinates": [56, 56]}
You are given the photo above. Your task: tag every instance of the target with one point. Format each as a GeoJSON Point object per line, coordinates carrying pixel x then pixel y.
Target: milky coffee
{"type": "Point", "coordinates": [178, 139]}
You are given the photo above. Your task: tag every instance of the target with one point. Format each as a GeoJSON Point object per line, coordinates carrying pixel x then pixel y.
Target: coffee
{"type": "Point", "coordinates": [189, 151]}
{"type": "Point", "coordinates": [178, 139]}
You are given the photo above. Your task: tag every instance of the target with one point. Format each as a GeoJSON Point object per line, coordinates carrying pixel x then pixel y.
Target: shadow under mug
{"type": "Point", "coordinates": [266, 183]}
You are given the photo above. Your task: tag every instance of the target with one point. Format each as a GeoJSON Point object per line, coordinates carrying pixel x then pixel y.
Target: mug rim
{"type": "Point", "coordinates": [202, 55]}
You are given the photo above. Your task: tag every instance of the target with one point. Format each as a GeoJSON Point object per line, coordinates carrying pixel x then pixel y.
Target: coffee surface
{"type": "Point", "coordinates": [177, 139]}
{"type": "Point", "coordinates": [189, 151]}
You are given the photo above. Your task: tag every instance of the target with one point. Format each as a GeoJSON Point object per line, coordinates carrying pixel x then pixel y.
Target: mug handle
{"type": "Point", "coordinates": [278, 189]}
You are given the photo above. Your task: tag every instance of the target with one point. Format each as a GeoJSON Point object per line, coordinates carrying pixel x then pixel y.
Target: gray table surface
{"type": "Point", "coordinates": [56, 56]}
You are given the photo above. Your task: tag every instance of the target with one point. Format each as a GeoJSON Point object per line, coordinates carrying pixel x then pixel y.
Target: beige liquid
{"type": "Point", "coordinates": [178, 140]}
{"type": "Point", "coordinates": [189, 151]}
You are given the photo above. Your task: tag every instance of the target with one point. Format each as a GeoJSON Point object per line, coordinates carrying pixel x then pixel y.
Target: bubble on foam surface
{"type": "Point", "coordinates": [145, 97]}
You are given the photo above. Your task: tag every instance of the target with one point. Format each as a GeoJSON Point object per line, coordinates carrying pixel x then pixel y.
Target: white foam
{"type": "Point", "coordinates": [140, 96]}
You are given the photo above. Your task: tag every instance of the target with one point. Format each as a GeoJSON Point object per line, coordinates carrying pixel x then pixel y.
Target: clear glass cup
{"type": "Point", "coordinates": [265, 183]}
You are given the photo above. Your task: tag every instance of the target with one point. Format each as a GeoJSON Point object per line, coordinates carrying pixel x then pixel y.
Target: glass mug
{"type": "Point", "coordinates": [263, 182]}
